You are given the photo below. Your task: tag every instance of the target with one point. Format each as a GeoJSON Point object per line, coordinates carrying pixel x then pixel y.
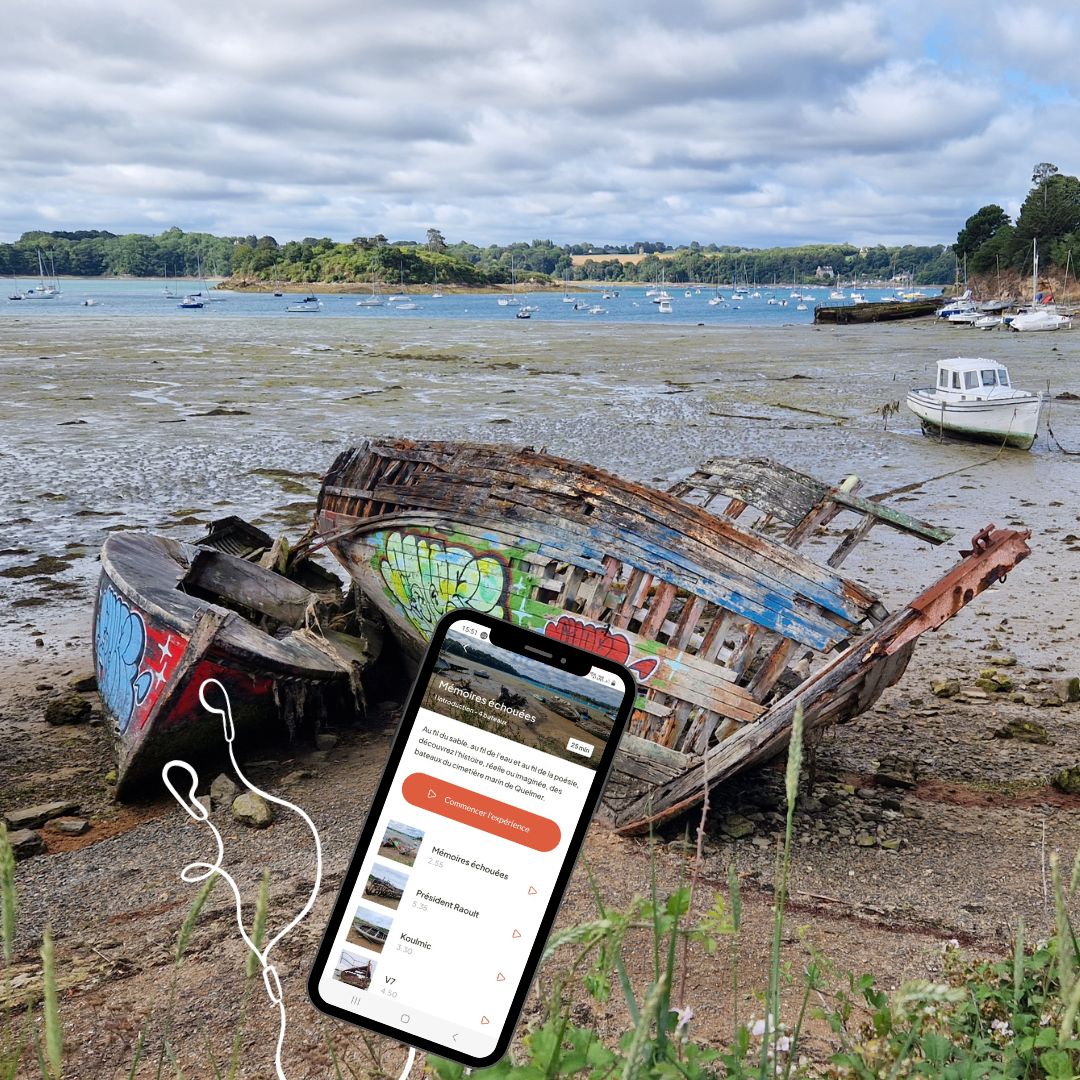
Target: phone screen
{"type": "Point", "coordinates": [471, 839]}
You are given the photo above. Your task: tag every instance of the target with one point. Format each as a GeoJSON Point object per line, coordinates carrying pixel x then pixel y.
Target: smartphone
{"type": "Point", "coordinates": [504, 746]}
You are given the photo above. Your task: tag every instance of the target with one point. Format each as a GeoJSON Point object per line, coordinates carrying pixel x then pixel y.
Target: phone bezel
{"type": "Point", "coordinates": [509, 635]}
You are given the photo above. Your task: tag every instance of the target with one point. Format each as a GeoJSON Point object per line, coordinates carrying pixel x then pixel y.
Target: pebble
{"type": "Point", "coordinates": [223, 790]}
{"type": "Point", "coordinates": [252, 810]}
{"type": "Point", "coordinates": [325, 741]}
{"type": "Point", "coordinates": [296, 776]}
{"type": "Point", "coordinates": [85, 683]}
{"type": "Point", "coordinates": [736, 826]}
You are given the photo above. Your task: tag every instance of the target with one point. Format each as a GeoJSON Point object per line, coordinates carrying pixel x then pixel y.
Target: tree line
{"type": "Point", "coordinates": [991, 243]}
{"type": "Point", "coordinates": [375, 258]}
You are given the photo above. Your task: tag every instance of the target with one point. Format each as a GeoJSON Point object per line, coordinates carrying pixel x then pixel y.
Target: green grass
{"type": "Point", "coordinates": [1015, 1018]}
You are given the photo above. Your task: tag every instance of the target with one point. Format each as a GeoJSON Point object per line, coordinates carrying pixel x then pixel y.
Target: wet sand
{"type": "Point", "coordinates": [151, 453]}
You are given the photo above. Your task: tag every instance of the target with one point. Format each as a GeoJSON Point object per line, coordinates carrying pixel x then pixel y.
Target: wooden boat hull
{"type": "Point", "coordinates": [1014, 422]}
{"type": "Point", "coordinates": [705, 614]}
{"type": "Point", "coordinates": [885, 311]}
{"type": "Point", "coordinates": [154, 644]}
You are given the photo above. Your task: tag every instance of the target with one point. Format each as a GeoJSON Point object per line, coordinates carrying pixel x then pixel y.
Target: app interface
{"type": "Point", "coordinates": [469, 843]}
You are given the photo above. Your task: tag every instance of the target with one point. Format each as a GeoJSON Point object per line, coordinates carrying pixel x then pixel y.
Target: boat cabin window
{"type": "Point", "coordinates": [971, 380]}
{"type": "Point", "coordinates": [943, 379]}
{"type": "Point", "coordinates": [1003, 377]}
{"type": "Point", "coordinates": [988, 378]}
{"type": "Point", "coordinates": [956, 380]}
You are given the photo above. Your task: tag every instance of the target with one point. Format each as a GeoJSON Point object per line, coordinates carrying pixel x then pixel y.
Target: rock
{"type": "Point", "coordinates": [296, 776]}
{"type": "Point", "coordinates": [85, 683]}
{"type": "Point", "coordinates": [325, 741]}
{"type": "Point", "coordinates": [736, 826]}
{"type": "Point", "coordinates": [892, 844]}
{"type": "Point", "coordinates": [24, 843]}
{"type": "Point", "coordinates": [1003, 661]}
{"type": "Point", "coordinates": [1066, 690]}
{"type": "Point", "coordinates": [865, 839]}
{"type": "Point", "coordinates": [205, 802]}
{"type": "Point", "coordinates": [994, 681]}
{"type": "Point", "coordinates": [894, 771]}
{"type": "Point", "coordinates": [1023, 730]}
{"type": "Point", "coordinates": [70, 826]}
{"type": "Point", "coordinates": [945, 688]}
{"type": "Point", "coordinates": [111, 776]}
{"type": "Point", "coordinates": [33, 817]}
{"type": "Point", "coordinates": [223, 791]}
{"type": "Point", "coordinates": [1068, 780]}
{"type": "Point", "coordinates": [69, 709]}
{"type": "Point", "coordinates": [252, 810]}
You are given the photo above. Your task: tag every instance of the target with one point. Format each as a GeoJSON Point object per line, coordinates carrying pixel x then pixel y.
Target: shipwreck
{"type": "Point", "coordinates": [700, 590]}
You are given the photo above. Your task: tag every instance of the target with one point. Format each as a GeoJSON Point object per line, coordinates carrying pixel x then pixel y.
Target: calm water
{"type": "Point", "coordinates": [111, 298]}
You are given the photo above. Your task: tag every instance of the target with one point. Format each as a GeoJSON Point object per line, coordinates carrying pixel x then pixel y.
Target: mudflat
{"type": "Point", "coordinates": [923, 823]}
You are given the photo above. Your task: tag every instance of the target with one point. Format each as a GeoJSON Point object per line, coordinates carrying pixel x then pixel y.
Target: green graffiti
{"type": "Point", "coordinates": [427, 578]}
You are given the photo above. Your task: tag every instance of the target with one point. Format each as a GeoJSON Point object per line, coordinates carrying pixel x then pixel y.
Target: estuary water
{"type": "Point", "coordinates": [115, 298]}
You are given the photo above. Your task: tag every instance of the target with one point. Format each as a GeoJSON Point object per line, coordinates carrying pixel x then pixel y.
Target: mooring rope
{"type": "Point", "coordinates": [1049, 428]}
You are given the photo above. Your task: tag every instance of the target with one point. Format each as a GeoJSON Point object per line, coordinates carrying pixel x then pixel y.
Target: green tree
{"type": "Point", "coordinates": [979, 228]}
{"type": "Point", "coordinates": [436, 241]}
{"type": "Point", "coordinates": [1050, 212]}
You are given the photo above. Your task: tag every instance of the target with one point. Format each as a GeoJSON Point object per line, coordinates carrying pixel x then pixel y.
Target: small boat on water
{"type": "Point", "coordinates": [310, 303]}
{"type": "Point", "coordinates": [727, 628]}
{"type": "Point", "coordinates": [169, 615]}
{"type": "Point", "coordinates": [974, 399]}
{"type": "Point", "coordinates": [193, 300]}
{"type": "Point", "coordinates": [44, 290]}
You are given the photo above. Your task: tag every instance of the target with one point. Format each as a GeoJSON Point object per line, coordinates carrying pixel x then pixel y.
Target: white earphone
{"type": "Point", "coordinates": [195, 872]}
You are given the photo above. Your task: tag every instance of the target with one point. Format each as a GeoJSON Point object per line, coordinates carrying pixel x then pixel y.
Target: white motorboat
{"type": "Point", "coordinates": [310, 303]}
{"type": "Point", "coordinates": [974, 399]}
{"type": "Point", "coordinates": [664, 306]}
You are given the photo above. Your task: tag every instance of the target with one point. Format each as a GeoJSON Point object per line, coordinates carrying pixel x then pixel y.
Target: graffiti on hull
{"type": "Point", "coordinates": [602, 640]}
{"type": "Point", "coordinates": [133, 660]}
{"type": "Point", "coordinates": [427, 578]}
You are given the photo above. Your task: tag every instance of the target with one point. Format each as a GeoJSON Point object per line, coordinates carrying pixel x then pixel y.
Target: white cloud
{"type": "Point", "coordinates": [775, 122]}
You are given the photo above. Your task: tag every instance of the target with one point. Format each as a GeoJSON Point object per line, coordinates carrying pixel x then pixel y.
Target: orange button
{"type": "Point", "coordinates": [481, 812]}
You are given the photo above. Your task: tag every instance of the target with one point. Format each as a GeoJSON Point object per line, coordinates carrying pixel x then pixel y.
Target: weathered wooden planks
{"type": "Point", "coordinates": [711, 614]}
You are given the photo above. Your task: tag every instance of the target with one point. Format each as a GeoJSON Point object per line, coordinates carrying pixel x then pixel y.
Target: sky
{"type": "Point", "coordinates": [773, 123]}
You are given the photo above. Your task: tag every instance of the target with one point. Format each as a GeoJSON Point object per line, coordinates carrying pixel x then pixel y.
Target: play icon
{"type": "Point", "coordinates": [532, 891]}
{"type": "Point", "coordinates": [500, 977]}
{"type": "Point", "coordinates": [484, 1020]}
{"type": "Point", "coordinates": [516, 934]}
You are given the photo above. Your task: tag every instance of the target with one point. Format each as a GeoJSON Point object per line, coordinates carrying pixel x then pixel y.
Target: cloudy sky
{"type": "Point", "coordinates": [773, 122]}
